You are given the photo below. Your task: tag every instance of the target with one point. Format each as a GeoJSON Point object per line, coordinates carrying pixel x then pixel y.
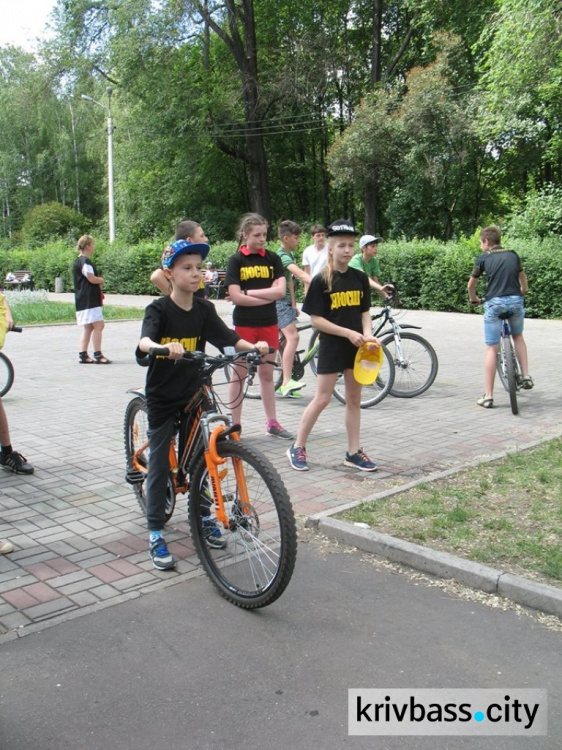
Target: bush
{"type": "Point", "coordinates": [52, 220]}
{"type": "Point", "coordinates": [430, 274]}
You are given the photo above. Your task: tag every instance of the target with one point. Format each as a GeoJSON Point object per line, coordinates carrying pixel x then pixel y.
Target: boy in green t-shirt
{"type": "Point", "coordinates": [287, 311]}
{"type": "Point", "coordinates": [367, 262]}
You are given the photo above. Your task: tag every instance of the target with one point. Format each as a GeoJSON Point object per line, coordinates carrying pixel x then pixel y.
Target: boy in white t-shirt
{"type": "Point", "coordinates": [314, 256]}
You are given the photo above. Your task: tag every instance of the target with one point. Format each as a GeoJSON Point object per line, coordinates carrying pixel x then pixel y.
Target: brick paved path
{"type": "Point", "coordinates": [79, 535]}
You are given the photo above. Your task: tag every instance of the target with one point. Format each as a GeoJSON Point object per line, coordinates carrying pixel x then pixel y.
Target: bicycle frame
{"type": "Point", "coordinates": [205, 428]}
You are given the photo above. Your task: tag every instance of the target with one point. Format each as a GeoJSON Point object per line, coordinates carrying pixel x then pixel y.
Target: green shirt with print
{"type": "Point", "coordinates": [371, 268]}
{"type": "Point", "coordinates": [287, 259]}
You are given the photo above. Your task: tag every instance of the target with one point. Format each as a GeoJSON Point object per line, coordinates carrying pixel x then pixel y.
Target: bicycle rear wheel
{"type": "Point", "coordinates": [6, 374]}
{"type": "Point", "coordinates": [507, 366]}
{"type": "Point", "coordinates": [372, 394]}
{"type": "Point", "coordinates": [416, 364]}
{"type": "Point", "coordinates": [256, 560]}
{"type": "Point", "coordinates": [137, 454]}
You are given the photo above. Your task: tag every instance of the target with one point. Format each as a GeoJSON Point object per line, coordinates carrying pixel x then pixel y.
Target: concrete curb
{"type": "Point", "coordinates": [443, 565]}
{"type": "Point", "coordinates": [520, 590]}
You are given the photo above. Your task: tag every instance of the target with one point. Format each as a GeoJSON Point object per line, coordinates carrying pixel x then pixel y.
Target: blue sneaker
{"type": "Point", "coordinates": [212, 534]}
{"type": "Point", "coordinates": [360, 460]}
{"type": "Point", "coordinates": [160, 554]}
{"type": "Point", "coordinates": [297, 458]}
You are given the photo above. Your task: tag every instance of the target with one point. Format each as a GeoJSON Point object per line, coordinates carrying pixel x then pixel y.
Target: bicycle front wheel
{"type": "Point", "coordinates": [137, 454]}
{"type": "Point", "coordinates": [508, 367]}
{"type": "Point", "coordinates": [372, 394]}
{"type": "Point", "coordinates": [415, 362]}
{"type": "Point", "coordinates": [250, 562]}
{"type": "Point", "coordinates": [6, 374]}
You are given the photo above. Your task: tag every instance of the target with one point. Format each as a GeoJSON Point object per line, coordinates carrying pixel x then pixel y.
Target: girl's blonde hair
{"type": "Point", "coordinates": [83, 242]}
{"type": "Point", "coordinates": [247, 222]}
{"type": "Point", "coordinates": [328, 270]}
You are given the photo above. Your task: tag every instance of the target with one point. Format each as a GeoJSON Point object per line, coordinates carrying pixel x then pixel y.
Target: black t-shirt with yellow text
{"type": "Point", "coordinates": [254, 271]}
{"type": "Point", "coordinates": [344, 305]}
{"type": "Point", "coordinates": [169, 386]}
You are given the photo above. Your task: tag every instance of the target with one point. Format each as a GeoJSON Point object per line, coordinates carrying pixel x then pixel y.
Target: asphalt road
{"type": "Point", "coordinates": [182, 668]}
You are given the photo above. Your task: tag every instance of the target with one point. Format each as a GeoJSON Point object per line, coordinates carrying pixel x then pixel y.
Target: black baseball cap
{"type": "Point", "coordinates": [341, 226]}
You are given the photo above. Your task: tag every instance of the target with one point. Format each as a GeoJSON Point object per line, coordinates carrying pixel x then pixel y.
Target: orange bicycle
{"type": "Point", "coordinates": [227, 481]}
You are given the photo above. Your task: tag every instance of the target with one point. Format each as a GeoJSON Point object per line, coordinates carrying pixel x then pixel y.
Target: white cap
{"type": "Point", "coordinates": [368, 239]}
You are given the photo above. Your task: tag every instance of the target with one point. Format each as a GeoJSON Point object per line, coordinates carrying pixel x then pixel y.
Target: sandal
{"type": "Point", "coordinates": [527, 383]}
{"type": "Point", "coordinates": [100, 359]}
{"type": "Point", "coordinates": [85, 359]}
{"type": "Point", "coordinates": [486, 401]}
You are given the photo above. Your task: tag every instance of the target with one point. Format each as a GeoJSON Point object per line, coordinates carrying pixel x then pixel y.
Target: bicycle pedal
{"type": "Point", "coordinates": [134, 476]}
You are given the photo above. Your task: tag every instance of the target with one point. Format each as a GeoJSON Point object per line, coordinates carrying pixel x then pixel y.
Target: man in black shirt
{"type": "Point", "coordinates": [506, 285]}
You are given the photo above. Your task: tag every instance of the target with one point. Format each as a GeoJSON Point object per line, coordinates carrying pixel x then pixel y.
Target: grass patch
{"type": "Point", "coordinates": [507, 513]}
{"type": "Point", "coordinates": [32, 308]}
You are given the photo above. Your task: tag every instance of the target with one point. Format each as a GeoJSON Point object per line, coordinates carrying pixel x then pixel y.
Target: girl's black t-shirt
{"type": "Point", "coordinates": [169, 386]}
{"type": "Point", "coordinates": [254, 271]}
{"type": "Point", "coordinates": [86, 294]}
{"type": "Point", "coordinates": [344, 305]}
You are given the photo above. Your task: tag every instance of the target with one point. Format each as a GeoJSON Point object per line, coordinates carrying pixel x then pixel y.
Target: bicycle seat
{"type": "Point", "coordinates": [505, 315]}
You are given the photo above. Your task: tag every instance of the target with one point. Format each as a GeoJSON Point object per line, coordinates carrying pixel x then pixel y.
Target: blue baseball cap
{"type": "Point", "coordinates": [183, 247]}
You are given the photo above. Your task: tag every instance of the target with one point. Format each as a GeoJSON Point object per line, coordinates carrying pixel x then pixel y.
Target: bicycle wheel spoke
{"type": "Point", "coordinates": [251, 561]}
{"type": "Point", "coordinates": [415, 362]}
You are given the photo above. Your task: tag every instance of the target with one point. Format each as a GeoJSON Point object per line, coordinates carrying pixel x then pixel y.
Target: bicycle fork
{"type": "Point", "coordinates": [211, 436]}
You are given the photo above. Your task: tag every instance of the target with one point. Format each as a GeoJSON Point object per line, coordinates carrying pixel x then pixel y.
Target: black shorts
{"type": "Point", "coordinates": [336, 354]}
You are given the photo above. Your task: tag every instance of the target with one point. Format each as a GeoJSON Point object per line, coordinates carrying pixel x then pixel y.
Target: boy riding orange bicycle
{"type": "Point", "coordinates": [181, 322]}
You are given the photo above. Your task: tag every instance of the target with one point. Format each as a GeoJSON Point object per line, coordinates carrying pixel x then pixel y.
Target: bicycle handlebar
{"type": "Point", "coordinates": [214, 362]}
{"type": "Point", "coordinates": [16, 329]}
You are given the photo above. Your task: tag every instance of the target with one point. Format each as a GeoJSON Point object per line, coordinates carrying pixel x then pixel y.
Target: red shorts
{"type": "Point", "coordinates": [269, 334]}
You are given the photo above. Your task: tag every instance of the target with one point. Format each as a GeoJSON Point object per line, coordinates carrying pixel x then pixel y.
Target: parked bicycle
{"type": "Point", "coordinates": [370, 394]}
{"type": "Point", "coordinates": [225, 479]}
{"type": "Point", "coordinates": [508, 365]}
{"type": "Point", "coordinates": [409, 368]}
{"type": "Point", "coordinates": [7, 373]}
{"type": "Point", "coordinates": [414, 358]}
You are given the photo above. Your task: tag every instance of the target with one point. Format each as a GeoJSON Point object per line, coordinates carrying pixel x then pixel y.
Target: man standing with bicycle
{"type": "Point", "coordinates": [506, 283]}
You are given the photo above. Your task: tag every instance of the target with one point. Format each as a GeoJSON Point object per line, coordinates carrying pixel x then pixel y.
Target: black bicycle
{"type": "Point", "coordinates": [413, 361]}
{"type": "Point", "coordinates": [230, 485]}
{"type": "Point", "coordinates": [508, 365]}
{"type": "Point", "coordinates": [370, 394]}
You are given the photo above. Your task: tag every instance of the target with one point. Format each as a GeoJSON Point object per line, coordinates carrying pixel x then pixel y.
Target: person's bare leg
{"type": "Point", "coordinates": [85, 337]}
{"type": "Point", "coordinates": [267, 391]}
{"type": "Point", "coordinates": [238, 376]}
{"type": "Point", "coordinates": [521, 353]}
{"type": "Point", "coordinates": [324, 390]}
{"type": "Point", "coordinates": [4, 429]}
{"type": "Point", "coordinates": [291, 342]}
{"type": "Point", "coordinates": [490, 363]}
{"type": "Point", "coordinates": [352, 411]}
{"type": "Point", "coordinates": [98, 327]}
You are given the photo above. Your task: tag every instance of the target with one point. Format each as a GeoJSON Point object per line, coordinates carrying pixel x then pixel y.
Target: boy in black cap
{"type": "Point", "coordinates": [338, 302]}
{"type": "Point", "coordinates": [181, 322]}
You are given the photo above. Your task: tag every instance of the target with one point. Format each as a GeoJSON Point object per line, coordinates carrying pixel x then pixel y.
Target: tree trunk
{"type": "Point", "coordinates": [370, 194]}
{"type": "Point", "coordinates": [244, 50]}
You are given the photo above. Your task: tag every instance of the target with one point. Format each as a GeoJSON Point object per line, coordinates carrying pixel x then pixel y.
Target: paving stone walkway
{"type": "Point", "coordinates": [79, 535]}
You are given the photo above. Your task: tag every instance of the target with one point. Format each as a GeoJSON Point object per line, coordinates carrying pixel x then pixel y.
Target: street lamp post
{"type": "Point", "coordinates": [111, 199]}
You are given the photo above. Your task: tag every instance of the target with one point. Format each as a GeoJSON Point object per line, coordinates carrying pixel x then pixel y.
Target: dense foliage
{"type": "Point", "coordinates": [429, 274]}
{"type": "Point", "coordinates": [416, 118]}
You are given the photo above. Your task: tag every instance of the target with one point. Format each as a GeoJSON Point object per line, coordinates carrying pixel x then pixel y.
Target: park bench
{"type": "Point", "coordinates": [218, 290]}
{"type": "Point", "coordinates": [19, 280]}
